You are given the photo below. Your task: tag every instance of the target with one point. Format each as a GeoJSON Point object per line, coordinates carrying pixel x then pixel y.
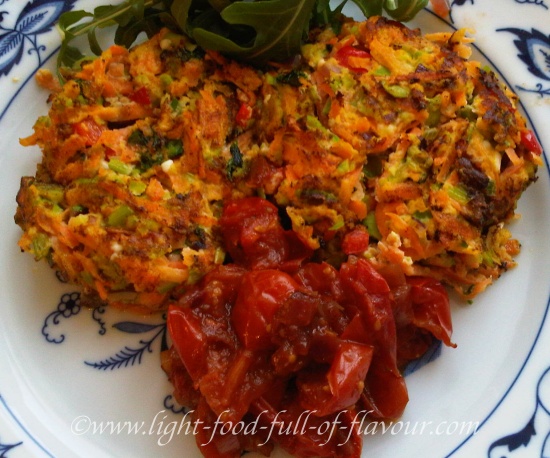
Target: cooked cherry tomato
{"type": "Point", "coordinates": [385, 391]}
{"type": "Point", "coordinates": [252, 233]}
{"type": "Point", "coordinates": [322, 278]}
{"type": "Point", "coordinates": [303, 434]}
{"type": "Point", "coordinates": [262, 293]}
{"type": "Point", "coordinates": [140, 96]}
{"type": "Point", "coordinates": [309, 346]}
{"type": "Point", "coordinates": [330, 392]}
{"type": "Point", "coordinates": [208, 437]}
{"type": "Point", "coordinates": [529, 140]}
{"type": "Point", "coordinates": [431, 308]}
{"type": "Point", "coordinates": [347, 54]}
{"type": "Point", "coordinates": [189, 339]}
{"type": "Point", "coordinates": [89, 130]}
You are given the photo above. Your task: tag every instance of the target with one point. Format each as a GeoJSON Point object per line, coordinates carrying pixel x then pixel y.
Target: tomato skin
{"type": "Point", "coordinates": [209, 441]}
{"type": "Point", "coordinates": [344, 380]}
{"type": "Point", "coordinates": [189, 339]}
{"type": "Point", "coordinates": [89, 130]}
{"type": "Point", "coordinates": [431, 308]}
{"type": "Point", "coordinates": [297, 346]}
{"type": "Point", "coordinates": [243, 115]}
{"type": "Point", "coordinates": [385, 391]}
{"type": "Point", "coordinates": [185, 320]}
{"type": "Point", "coordinates": [322, 278]}
{"type": "Point", "coordinates": [347, 53]}
{"type": "Point", "coordinates": [529, 141]}
{"type": "Point", "coordinates": [356, 241]}
{"type": "Point", "coordinates": [141, 96]}
{"type": "Point", "coordinates": [297, 431]}
{"type": "Point", "coordinates": [262, 293]}
{"type": "Point", "coordinates": [252, 233]}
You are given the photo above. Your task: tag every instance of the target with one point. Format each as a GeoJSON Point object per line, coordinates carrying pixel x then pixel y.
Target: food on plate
{"type": "Point", "coordinates": [275, 343]}
{"type": "Point", "coordinates": [374, 130]}
{"type": "Point", "coordinates": [296, 221]}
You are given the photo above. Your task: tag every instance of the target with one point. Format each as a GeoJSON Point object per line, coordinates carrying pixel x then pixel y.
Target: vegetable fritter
{"type": "Point", "coordinates": [374, 127]}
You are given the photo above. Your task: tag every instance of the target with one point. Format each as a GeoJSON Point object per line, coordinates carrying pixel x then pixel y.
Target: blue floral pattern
{"type": "Point", "coordinates": [36, 18]}
{"type": "Point", "coordinates": [129, 356]}
{"type": "Point", "coordinates": [69, 305]}
{"type": "Point", "coordinates": [534, 52]}
{"type": "Point", "coordinates": [533, 440]}
{"type": "Point", "coordinates": [5, 449]}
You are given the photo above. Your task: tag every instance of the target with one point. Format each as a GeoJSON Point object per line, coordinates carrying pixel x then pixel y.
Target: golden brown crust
{"type": "Point", "coordinates": [377, 125]}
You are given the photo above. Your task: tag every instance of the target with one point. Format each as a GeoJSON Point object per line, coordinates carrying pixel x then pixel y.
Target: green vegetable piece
{"type": "Point", "coordinates": [175, 104]}
{"type": "Point", "coordinates": [372, 228]}
{"type": "Point", "coordinates": [423, 216]}
{"type": "Point", "coordinates": [138, 138]}
{"type": "Point", "coordinates": [116, 165]}
{"type": "Point", "coordinates": [344, 166]}
{"type": "Point", "coordinates": [279, 27]}
{"type": "Point", "coordinates": [382, 71]}
{"type": "Point", "coordinates": [165, 79]}
{"type": "Point", "coordinates": [40, 245]}
{"type": "Point", "coordinates": [491, 188]}
{"type": "Point", "coordinates": [291, 78]}
{"type": "Point", "coordinates": [137, 188]}
{"type": "Point", "coordinates": [459, 194]}
{"type": "Point", "coordinates": [339, 224]}
{"type": "Point", "coordinates": [396, 91]}
{"type": "Point", "coordinates": [119, 216]}
{"type": "Point", "coordinates": [174, 148]}
{"type": "Point", "coordinates": [51, 192]}
{"type": "Point", "coordinates": [327, 107]}
{"type": "Point", "coordinates": [256, 31]}
{"type": "Point", "coordinates": [236, 161]}
{"type": "Point", "coordinates": [468, 113]}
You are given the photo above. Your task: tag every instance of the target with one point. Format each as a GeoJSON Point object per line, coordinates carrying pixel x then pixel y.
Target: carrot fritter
{"type": "Point", "coordinates": [374, 126]}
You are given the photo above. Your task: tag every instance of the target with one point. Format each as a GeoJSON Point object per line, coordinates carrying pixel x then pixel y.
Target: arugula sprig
{"type": "Point", "coordinates": [257, 31]}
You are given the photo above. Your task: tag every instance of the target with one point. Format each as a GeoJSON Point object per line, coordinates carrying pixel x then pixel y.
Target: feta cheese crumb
{"type": "Point", "coordinates": [166, 165]}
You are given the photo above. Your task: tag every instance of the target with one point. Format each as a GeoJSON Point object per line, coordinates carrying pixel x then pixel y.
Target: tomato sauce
{"type": "Point", "coordinates": [293, 351]}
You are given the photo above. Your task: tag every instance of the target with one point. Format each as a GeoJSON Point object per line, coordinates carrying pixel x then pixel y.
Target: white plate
{"type": "Point", "coordinates": [77, 383]}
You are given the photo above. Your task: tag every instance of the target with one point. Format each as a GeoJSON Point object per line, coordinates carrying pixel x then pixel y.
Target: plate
{"type": "Point", "coordinates": [76, 382]}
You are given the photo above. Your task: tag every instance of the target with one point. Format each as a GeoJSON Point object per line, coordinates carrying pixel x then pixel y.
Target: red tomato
{"type": "Point", "coordinates": [340, 387]}
{"type": "Point", "coordinates": [356, 241]}
{"type": "Point", "coordinates": [141, 96]}
{"type": "Point", "coordinates": [89, 130]}
{"type": "Point", "coordinates": [385, 390]}
{"type": "Point", "coordinates": [529, 140]}
{"type": "Point", "coordinates": [262, 293]}
{"type": "Point", "coordinates": [252, 233]}
{"type": "Point", "coordinates": [431, 308]}
{"type": "Point", "coordinates": [210, 441]}
{"type": "Point", "coordinates": [322, 278]}
{"type": "Point", "coordinates": [189, 339]}
{"type": "Point", "coordinates": [188, 321]}
{"type": "Point", "coordinates": [346, 54]}
{"type": "Point", "coordinates": [243, 115]}
{"type": "Point", "coordinates": [303, 434]}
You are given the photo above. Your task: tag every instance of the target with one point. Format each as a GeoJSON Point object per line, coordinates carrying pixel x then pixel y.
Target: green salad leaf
{"type": "Point", "coordinates": [256, 31]}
